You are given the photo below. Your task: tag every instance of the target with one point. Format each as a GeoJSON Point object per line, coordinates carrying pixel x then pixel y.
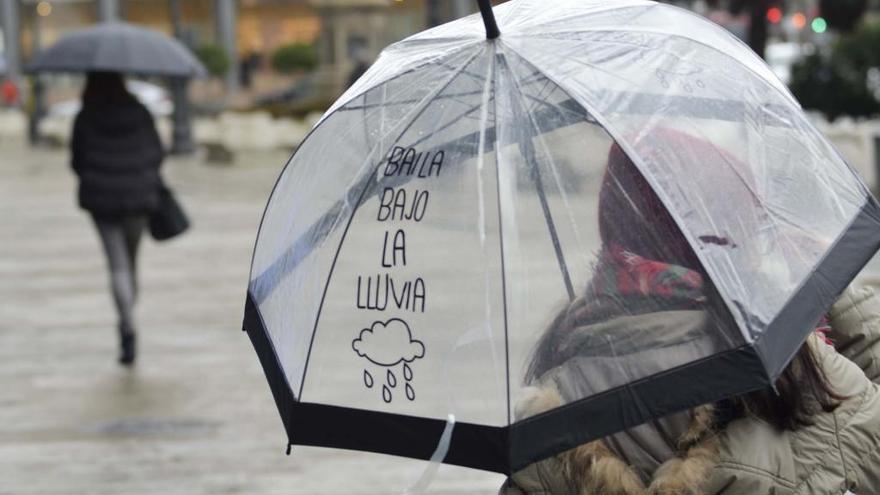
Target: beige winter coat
{"type": "Point", "coordinates": [839, 452]}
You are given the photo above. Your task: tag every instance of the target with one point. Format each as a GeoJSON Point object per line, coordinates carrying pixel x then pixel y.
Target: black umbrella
{"type": "Point", "coordinates": [119, 47]}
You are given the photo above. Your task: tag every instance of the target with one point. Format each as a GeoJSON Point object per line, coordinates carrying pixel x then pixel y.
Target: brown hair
{"type": "Point", "coordinates": [802, 391]}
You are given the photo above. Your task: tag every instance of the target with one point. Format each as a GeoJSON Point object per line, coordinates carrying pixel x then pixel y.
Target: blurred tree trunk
{"type": "Point", "coordinates": [10, 29]}
{"type": "Point", "coordinates": [181, 134]}
{"type": "Point", "coordinates": [38, 89]}
{"type": "Point", "coordinates": [108, 10]}
{"type": "Point", "coordinates": [758, 25]}
{"type": "Point", "coordinates": [756, 37]}
{"type": "Point", "coordinates": [176, 18]}
{"type": "Point", "coordinates": [226, 19]}
{"type": "Point", "coordinates": [461, 8]}
{"type": "Point", "coordinates": [433, 10]}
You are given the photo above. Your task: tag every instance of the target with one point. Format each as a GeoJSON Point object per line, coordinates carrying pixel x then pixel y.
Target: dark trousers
{"type": "Point", "coordinates": [120, 238]}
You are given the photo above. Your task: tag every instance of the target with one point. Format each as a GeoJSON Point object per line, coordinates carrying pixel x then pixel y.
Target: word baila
{"type": "Point", "coordinates": [405, 161]}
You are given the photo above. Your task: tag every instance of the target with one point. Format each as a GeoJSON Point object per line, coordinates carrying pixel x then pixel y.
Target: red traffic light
{"type": "Point", "coordinates": [774, 15]}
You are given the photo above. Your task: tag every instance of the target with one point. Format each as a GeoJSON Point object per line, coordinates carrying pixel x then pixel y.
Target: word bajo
{"type": "Point", "coordinates": [396, 204]}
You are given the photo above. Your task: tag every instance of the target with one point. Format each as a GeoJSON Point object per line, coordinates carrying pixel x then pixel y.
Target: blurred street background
{"type": "Point", "coordinates": [196, 415]}
{"type": "Point", "coordinates": [276, 65]}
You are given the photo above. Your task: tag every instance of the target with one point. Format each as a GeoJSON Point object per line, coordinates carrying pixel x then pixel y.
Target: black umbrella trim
{"type": "Point", "coordinates": [846, 258]}
{"type": "Point", "coordinates": [278, 384]}
{"type": "Point", "coordinates": [508, 449]}
{"type": "Point", "coordinates": [503, 449]}
{"type": "Point", "coordinates": [477, 446]}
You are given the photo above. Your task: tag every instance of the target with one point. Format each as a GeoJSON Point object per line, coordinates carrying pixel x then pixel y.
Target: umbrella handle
{"type": "Point", "coordinates": [492, 31]}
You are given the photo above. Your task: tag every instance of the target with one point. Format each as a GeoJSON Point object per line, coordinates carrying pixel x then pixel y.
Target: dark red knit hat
{"type": "Point", "coordinates": [632, 216]}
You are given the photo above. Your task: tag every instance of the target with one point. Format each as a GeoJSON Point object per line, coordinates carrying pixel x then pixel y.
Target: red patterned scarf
{"type": "Point", "coordinates": [645, 285]}
{"type": "Point", "coordinates": [622, 274]}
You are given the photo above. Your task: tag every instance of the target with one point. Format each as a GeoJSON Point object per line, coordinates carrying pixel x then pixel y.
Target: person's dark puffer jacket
{"type": "Point", "coordinates": [116, 154]}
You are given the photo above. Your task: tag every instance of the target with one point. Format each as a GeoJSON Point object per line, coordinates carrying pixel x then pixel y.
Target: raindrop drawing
{"type": "Point", "coordinates": [684, 77]}
{"type": "Point", "coordinates": [391, 379]}
{"type": "Point", "coordinates": [389, 344]}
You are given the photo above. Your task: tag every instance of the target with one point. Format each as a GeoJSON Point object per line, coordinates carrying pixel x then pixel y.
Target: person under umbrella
{"type": "Point", "coordinates": [116, 154]}
{"type": "Point", "coordinates": [787, 440]}
{"type": "Point", "coordinates": [513, 115]}
{"type": "Point", "coordinates": [116, 149]}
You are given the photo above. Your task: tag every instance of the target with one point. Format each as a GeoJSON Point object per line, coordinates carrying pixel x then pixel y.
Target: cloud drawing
{"type": "Point", "coordinates": [388, 343]}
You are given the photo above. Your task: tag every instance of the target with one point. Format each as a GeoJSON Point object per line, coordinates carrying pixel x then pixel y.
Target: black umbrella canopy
{"type": "Point", "coordinates": [119, 47]}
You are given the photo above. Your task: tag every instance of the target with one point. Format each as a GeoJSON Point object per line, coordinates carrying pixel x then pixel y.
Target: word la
{"type": "Point", "coordinates": [397, 253]}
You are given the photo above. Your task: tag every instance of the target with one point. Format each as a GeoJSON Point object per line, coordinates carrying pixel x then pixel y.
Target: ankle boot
{"type": "Point", "coordinates": [127, 348]}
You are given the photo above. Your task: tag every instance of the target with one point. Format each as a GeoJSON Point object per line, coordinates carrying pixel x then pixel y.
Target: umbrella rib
{"type": "Point", "coordinates": [369, 106]}
{"type": "Point", "coordinates": [640, 165]}
{"type": "Point", "coordinates": [740, 62]}
{"type": "Point", "coordinates": [638, 104]}
{"type": "Point", "coordinates": [345, 99]}
{"type": "Point", "coordinates": [531, 157]}
{"type": "Point", "coordinates": [319, 230]}
{"type": "Point", "coordinates": [535, 77]}
{"type": "Point", "coordinates": [288, 261]}
{"type": "Point", "coordinates": [452, 96]}
{"type": "Point", "coordinates": [366, 186]}
{"type": "Point", "coordinates": [527, 148]}
{"type": "Point", "coordinates": [494, 83]}
{"type": "Point", "coordinates": [364, 114]}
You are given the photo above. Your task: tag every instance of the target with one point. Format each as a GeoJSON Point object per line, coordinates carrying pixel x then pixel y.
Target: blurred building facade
{"type": "Point", "coordinates": [344, 32]}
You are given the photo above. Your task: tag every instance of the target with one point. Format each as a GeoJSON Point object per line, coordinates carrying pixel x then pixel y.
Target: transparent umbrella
{"type": "Point", "coordinates": [617, 201]}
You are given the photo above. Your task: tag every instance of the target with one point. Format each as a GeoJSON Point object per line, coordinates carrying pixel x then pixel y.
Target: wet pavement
{"type": "Point", "coordinates": [195, 415]}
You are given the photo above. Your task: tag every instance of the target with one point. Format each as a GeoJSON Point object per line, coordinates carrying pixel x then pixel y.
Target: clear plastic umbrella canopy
{"type": "Point", "coordinates": [617, 201]}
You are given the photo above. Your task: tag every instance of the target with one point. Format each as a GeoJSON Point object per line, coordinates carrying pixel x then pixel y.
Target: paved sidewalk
{"type": "Point", "coordinates": [195, 416]}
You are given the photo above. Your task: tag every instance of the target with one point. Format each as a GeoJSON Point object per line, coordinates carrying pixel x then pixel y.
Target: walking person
{"type": "Point", "coordinates": [116, 154]}
{"type": "Point", "coordinates": [817, 432]}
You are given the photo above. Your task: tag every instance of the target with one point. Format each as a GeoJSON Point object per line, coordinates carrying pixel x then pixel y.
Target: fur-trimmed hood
{"type": "Point", "coordinates": [599, 468]}
{"type": "Point", "coordinates": [838, 452]}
